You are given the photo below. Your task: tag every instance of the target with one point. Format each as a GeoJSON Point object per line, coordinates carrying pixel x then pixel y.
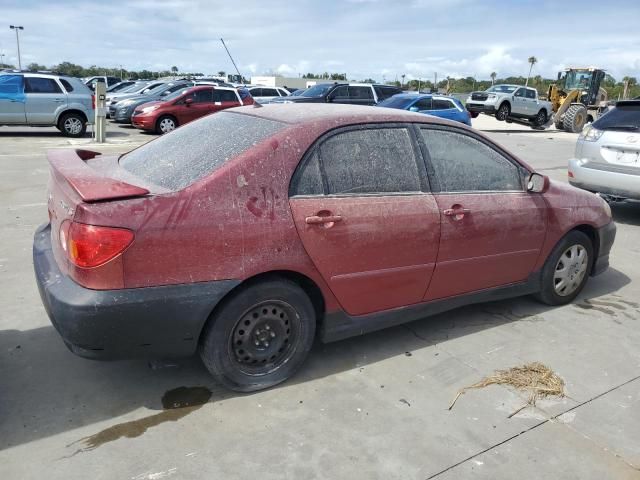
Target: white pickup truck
{"type": "Point", "coordinates": [511, 102]}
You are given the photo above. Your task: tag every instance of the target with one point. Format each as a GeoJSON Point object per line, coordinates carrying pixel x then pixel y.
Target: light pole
{"type": "Point", "coordinates": [1, 59]}
{"type": "Point", "coordinates": [16, 28]}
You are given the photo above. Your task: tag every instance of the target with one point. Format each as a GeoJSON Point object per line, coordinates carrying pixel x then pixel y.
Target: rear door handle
{"type": "Point", "coordinates": [451, 212]}
{"type": "Point", "coordinates": [59, 100]}
{"type": "Point", "coordinates": [317, 220]}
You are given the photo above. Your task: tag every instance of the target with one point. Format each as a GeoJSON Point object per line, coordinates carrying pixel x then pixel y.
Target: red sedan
{"type": "Point", "coordinates": [185, 106]}
{"type": "Point", "coordinates": [247, 233]}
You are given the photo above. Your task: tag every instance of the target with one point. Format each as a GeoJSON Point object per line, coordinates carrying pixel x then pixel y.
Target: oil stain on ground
{"type": "Point", "coordinates": [177, 403]}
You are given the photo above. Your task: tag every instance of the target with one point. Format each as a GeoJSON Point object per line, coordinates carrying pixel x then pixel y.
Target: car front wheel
{"type": "Point", "coordinates": [567, 269]}
{"type": "Point", "coordinates": [166, 124]}
{"type": "Point", "coordinates": [260, 336]}
{"type": "Point", "coordinates": [503, 112]}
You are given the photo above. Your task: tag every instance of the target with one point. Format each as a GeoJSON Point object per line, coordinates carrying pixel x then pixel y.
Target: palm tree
{"type": "Point", "coordinates": [532, 61]}
{"type": "Point", "coordinates": [222, 73]}
{"type": "Point", "coordinates": [493, 77]}
{"type": "Point", "coordinates": [174, 70]}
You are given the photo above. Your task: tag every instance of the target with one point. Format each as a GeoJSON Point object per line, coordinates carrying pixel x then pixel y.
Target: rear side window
{"type": "Point", "coordinates": [67, 86]}
{"type": "Point", "coordinates": [193, 151]}
{"type": "Point", "coordinates": [441, 104]}
{"type": "Point", "coordinates": [370, 161]}
{"type": "Point", "coordinates": [202, 96]}
{"type": "Point", "coordinates": [269, 92]}
{"type": "Point", "coordinates": [224, 96]}
{"type": "Point", "coordinates": [423, 104]}
{"type": "Point", "coordinates": [41, 85]}
{"type": "Point", "coordinates": [361, 93]}
{"type": "Point", "coordinates": [624, 117]}
{"type": "Point", "coordinates": [464, 164]}
{"type": "Point", "coordinates": [341, 92]}
{"type": "Point", "coordinates": [10, 86]}
{"type": "Point", "coordinates": [256, 92]}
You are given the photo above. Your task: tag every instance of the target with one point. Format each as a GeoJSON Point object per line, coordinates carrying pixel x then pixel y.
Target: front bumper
{"type": "Point", "coordinates": [122, 115]}
{"type": "Point", "coordinates": [149, 322]}
{"type": "Point", "coordinates": [616, 180]}
{"type": "Point", "coordinates": [143, 122]}
{"type": "Point", "coordinates": [606, 236]}
{"type": "Point", "coordinates": [480, 108]}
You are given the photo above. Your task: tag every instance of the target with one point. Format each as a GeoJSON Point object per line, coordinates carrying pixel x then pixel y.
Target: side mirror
{"type": "Point", "coordinates": [165, 93]}
{"type": "Point", "coordinates": [538, 183]}
{"type": "Point", "coordinates": [329, 99]}
{"type": "Point", "coordinates": [188, 102]}
{"type": "Point", "coordinates": [414, 109]}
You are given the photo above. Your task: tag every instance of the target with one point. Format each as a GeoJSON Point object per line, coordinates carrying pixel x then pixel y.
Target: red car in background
{"type": "Point", "coordinates": [243, 234]}
{"type": "Point", "coordinates": [184, 106]}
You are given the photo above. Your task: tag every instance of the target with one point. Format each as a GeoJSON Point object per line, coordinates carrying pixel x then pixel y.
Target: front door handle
{"type": "Point", "coordinates": [317, 220]}
{"type": "Point", "coordinates": [456, 211]}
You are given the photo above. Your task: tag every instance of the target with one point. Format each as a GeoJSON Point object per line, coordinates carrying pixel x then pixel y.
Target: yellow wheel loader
{"type": "Point", "coordinates": [577, 98]}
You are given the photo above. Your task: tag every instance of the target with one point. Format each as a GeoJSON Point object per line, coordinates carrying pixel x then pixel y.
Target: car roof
{"type": "Point", "coordinates": [335, 114]}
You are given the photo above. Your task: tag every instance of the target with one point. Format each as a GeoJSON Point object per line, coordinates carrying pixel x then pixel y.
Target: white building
{"type": "Point", "coordinates": [293, 82]}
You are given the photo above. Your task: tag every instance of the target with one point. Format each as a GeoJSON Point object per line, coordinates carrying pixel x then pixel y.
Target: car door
{"type": "Point", "coordinates": [44, 100]}
{"type": "Point", "coordinates": [519, 102]}
{"type": "Point", "coordinates": [201, 104]}
{"type": "Point", "coordinates": [532, 102]}
{"type": "Point", "coordinates": [444, 108]}
{"type": "Point", "coordinates": [224, 99]}
{"type": "Point", "coordinates": [424, 105]}
{"type": "Point", "coordinates": [363, 212]}
{"type": "Point", "coordinates": [12, 100]}
{"type": "Point", "coordinates": [492, 229]}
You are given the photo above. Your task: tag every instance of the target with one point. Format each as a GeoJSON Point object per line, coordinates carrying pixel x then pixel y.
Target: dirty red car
{"type": "Point", "coordinates": [184, 106]}
{"type": "Point", "coordinates": [248, 233]}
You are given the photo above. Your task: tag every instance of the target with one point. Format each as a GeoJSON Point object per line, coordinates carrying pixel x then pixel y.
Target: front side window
{"type": "Point", "coordinates": [463, 164]}
{"type": "Point", "coordinates": [423, 104]}
{"type": "Point", "coordinates": [341, 92]}
{"type": "Point", "coordinates": [370, 160]}
{"type": "Point", "coordinates": [202, 96]}
{"type": "Point", "coordinates": [520, 92]}
{"type": "Point", "coordinates": [41, 85]}
{"type": "Point", "coordinates": [531, 94]}
{"type": "Point", "coordinates": [442, 104]}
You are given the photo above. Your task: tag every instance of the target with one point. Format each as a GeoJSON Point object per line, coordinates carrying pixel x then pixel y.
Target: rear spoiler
{"type": "Point", "coordinates": [89, 183]}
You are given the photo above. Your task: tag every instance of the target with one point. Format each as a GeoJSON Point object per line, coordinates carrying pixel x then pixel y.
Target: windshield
{"type": "Point", "coordinates": [397, 101]}
{"type": "Point", "coordinates": [622, 117]}
{"type": "Point", "coordinates": [132, 88]}
{"type": "Point", "coordinates": [502, 89]}
{"type": "Point", "coordinates": [577, 80]}
{"type": "Point", "coordinates": [174, 95]}
{"type": "Point", "coordinates": [317, 90]}
{"type": "Point", "coordinates": [160, 88]}
{"type": "Point", "coordinates": [297, 93]}
{"type": "Point", "coordinates": [193, 151]}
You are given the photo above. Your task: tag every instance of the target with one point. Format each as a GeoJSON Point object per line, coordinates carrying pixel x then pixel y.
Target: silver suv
{"type": "Point", "coordinates": [44, 100]}
{"type": "Point", "coordinates": [607, 157]}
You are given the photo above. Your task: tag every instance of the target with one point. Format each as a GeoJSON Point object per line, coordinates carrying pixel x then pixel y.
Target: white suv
{"type": "Point", "coordinates": [44, 100]}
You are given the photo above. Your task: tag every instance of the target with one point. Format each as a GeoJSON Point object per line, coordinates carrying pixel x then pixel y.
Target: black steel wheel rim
{"type": "Point", "coordinates": [263, 338]}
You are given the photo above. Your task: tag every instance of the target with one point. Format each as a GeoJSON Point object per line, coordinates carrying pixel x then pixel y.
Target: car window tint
{"type": "Point", "coordinates": [361, 93]}
{"type": "Point", "coordinates": [11, 85]}
{"type": "Point", "coordinates": [224, 96]}
{"type": "Point", "coordinates": [370, 161]}
{"type": "Point", "coordinates": [269, 92]}
{"type": "Point", "coordinates": [340, 92]}
{"type": "Point", "coordinates": [464, 164]}
{"type": "Point", "coordinates": [202, 96]}
{"type": "Point", "coordinates": [424, 104]}
{"type": "Point", "coordinates": [41, 85]}
{"type": "Point", "coordinates": [389, 91]}
{"type": "Point", "coordinates": [441, 104]}
{"type": "Point", "coordinates": [531, 94]}
{"type": "Point", "coordinates": [520, 92]}
{"type": "Point", "coordinates": [196, 149]}
{"type": "Point", "coordinates": [67, 86]}
{"type": "Point", "coordinates": [308, 179]}
{"type": "Point", "coordinates": [624, 117]}
{"type": "Point", "coordinates": [256, 92]}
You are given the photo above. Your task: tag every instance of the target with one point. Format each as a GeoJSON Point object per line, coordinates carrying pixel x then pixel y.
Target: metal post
{"type": "Point", "coordinates": [101, 112]}
{"type": "Point", "coordinates": [16, 28]}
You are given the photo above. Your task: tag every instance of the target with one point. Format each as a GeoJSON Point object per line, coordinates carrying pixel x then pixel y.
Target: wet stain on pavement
{"type": "Point", "coordinates": [177, 403]}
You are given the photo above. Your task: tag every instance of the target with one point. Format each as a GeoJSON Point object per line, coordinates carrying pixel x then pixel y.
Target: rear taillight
{"type": "Point", "coordinates": [90, 246]}
{"type": "Point", "coordinates": [570, 173]}
{"type": "Point", "coordinates": [93, 102]}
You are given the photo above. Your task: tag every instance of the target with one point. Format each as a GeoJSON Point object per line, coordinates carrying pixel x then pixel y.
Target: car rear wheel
{"type": "Point", "coordinates": [72, 125]}
{"type": "Point", "coordinates": [567, 269]}
{"type": "Point", "coordinates": [541, 118]}
{"type": "Point", "coordinates": [166, 124]}
{"type": "Point", "coordinates": [260, 336]}
{"type": "Point", "coordinates": [503, 112]}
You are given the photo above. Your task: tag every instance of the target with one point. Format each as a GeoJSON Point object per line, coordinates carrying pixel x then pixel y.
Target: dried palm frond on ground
{"type": "Point", "coordinates": [537, 379]}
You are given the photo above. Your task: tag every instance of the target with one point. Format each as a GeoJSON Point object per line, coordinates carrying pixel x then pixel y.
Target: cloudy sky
{"type": "Point", "coordinates": [377, 38]}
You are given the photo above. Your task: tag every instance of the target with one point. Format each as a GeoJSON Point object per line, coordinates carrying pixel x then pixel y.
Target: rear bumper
{"type": "Point", "coordinates": [480, 108]}
{"type": "Point", "coordinates": [147, 322]}
{"type": "Point", "coordinates": [619, 181]}
{"type": "Point", "coordinates": [606, 236]}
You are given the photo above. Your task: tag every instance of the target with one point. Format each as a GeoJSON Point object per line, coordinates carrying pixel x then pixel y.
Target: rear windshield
{"type": "Point", "coordinates": [622, 117]}
{"type": "Point", "coordinates": [189, 153]}
{"type": "Point", "coordinates": [396, 102]}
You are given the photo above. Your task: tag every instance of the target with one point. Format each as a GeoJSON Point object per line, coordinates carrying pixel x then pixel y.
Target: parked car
{"type": "Point", "coordinates": [108, 81]}
{"type": "Point", "coordinates": [262, 94]}
{"type": "Point", "coordinates": [438, 105]}
{"type": "Point", "coordinates": [607, 156]}
{"type": "Point", "coordinates": [44, 100]}
{"type": "Point", "coordinates": [120, 86]}
{"type": "Point", "coordinates": [505, 101]}
{"type": "Point", "coordinates": [298, 92]}
{"type": "Point", "coordinates": [122, 110]}
{"type": "Point", "coordinates": [135, 89]}
{"type": "Point", "coordinates": [245, 234]}
{"type": "Point", "coordinates": [349, 93]}
{"type": "Point", "coordinates": [185, 106]}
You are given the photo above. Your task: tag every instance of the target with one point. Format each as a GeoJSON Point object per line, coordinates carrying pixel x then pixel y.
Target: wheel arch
{"type": "Point", "coordinates": [310, 287]}
{"type": "Point", "coordinates": [591, 232]}
{"type": "Point", "coordinates": [71, 110]}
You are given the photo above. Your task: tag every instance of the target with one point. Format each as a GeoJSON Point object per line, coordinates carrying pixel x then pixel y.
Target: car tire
{"type": "Point", "coordinates": [503, 112]}
{"type": "Point", "coordinates": [260, 336]}
{"type": "Point", "coordinates": [166, 124]}
{"type": "Point", "coordinates": [72, 125]}
{"type": "Point", "coordinates": [566, 270]}
{"type": "Point", "coordinates": [575, 118]}
{"type": "Point", "coordinates": [541, 118]}
{"type": "Point", "coordinates": [559, 125]}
